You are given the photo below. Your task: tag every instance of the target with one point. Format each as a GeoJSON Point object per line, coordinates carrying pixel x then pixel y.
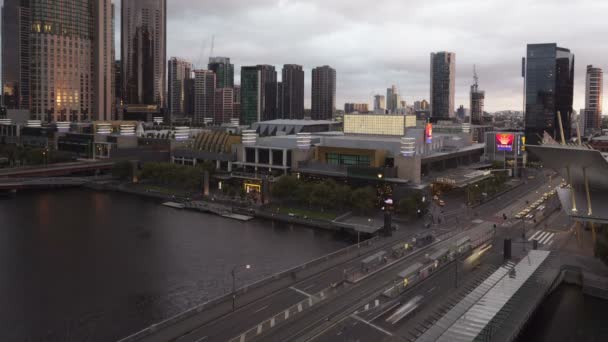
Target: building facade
{"type": "Point", "coordinates": [144, 51]}
{"type": "Point", "coordinates": [258, 93]}
{"type": "Point", "coordinates": [204, 96]}
{"type": "Point", "coordinates": [594, 87]}
{"type": "Point", "coordinates": [224, 105]}
{"type": "Point", "coordinates": [323, 93]}
{"type": "Point", "coordinates": [179, 71]}
{"type": "Point", "coordinates": [549, 82]}
{"type": "Point", "coordinates": [224, 71]}
{"type": "Point", "coordinates": [58, 68]}
{"type": "Point", "coordinates": [477, 98]}
{"type": "Point", "coordinates": [443, 83]}
{"type": "Point", "coordinates": [292, 92]}
{"type": "Point", "coordinates": [356, 107]}
{"type": "Point", "coordinates": [379, 104]}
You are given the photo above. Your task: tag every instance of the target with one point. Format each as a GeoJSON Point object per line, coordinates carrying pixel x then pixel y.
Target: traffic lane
{"type": "Point", "coordinates": [352, 329]}
{"type": "Point", "coordinates": [228, 327]}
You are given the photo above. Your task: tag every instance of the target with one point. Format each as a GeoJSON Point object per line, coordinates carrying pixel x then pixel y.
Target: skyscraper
{"type": "Point", "coordinates": [393, 100]}
{"type": "Point", "coordinates": [292, 92]}
{"type": "Point", "coordinates": [224, 71]}
{"type": "Point", "coordinates": [144, 50]}
{"type": "Point", "coordinates": [477, 101]}
{"type": "Point", "coordinates": [549, 87]}
{"type": "Point", "coordinates": [443, 83]}
{"type": "Point", "coordinates": [224, 105]}
{"type": "Point", "coordinates": [258, 94]}
{"type": "Point", "coordinates": [180, 70]}
{"type": "Point", "coordinates": [594, 86]}
{"type": "Point", "coordinates": [379, 104]}
{"type": "Point", "coordinates": [204, 96]}
{"type": "Point", "coordinates": [323, 93]}
{"type": "Point", "coordinates": [57, 67]}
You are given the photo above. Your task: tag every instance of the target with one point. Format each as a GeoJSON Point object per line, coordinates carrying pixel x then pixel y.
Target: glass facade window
{"type": "Point", "coordinates": [347, 160]}
{"type": "Point", "coordinates": [374, 124]}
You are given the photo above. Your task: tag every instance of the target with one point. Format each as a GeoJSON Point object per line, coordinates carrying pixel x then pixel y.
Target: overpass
{"type": "Point", "coordinates": [55, 170]}
{"type": "Point", "coordinates": [41, 182]}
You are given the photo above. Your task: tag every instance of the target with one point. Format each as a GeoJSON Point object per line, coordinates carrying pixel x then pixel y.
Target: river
{"type": "Point", "coordinates": [79, 265]}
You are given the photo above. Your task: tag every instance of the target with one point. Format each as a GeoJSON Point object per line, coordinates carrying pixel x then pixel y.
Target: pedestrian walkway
{"type": "Point", "coordinates": [543, 237]}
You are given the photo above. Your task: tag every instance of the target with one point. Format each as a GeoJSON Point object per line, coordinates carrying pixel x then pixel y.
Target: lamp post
{"type": "Point", "coordinates": [234, 269]}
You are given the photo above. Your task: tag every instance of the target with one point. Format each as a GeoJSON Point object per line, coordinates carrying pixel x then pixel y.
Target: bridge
{"type": "Point", "coordinates": [367, 292]}
{"type": "Point", "coordinates": [55, 170]}
{"type": "Point", "coordinates": [41, 182]}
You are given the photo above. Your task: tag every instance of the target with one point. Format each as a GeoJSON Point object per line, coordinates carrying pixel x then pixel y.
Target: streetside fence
{"type": "Point", "coordinates": [290, 275]}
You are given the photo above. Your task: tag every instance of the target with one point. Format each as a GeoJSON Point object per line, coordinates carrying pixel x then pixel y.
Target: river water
{"type": "Point", "coordinates": [79, 265]}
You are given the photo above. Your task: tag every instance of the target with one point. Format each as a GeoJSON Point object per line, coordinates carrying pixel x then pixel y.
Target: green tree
{"type": "Point", "coordinates": [286, 188]}
{"type": "Point", "coordinates": [363, 199]}
{"type": "Point", "coordinates": [342, 196]}
{"type": "Point", "coordinates": [322, 195]}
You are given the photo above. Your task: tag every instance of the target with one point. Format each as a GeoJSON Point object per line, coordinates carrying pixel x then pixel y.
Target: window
{"type": "Point", "coordinates": [347, 160]}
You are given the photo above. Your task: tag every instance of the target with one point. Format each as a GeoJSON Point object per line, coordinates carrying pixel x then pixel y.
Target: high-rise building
{"type": "Point", "coordinates": [477, 101]}
{"type": "Point", "coordinates": [236, 109]}
{"type": "Point", "coordinates": [224, 71]}
{"type": "Point", "coordinates": [292, 92]}
{"type": "Point", "coordinates": [393, 100]}
{"type": "Point", "coordinates": [258, 93]}
{"type": "Point", "coordinates": [549, 88]}
{"type": "Point", "coordinates": [117, 90]}
{"type": "Point", "coordinates": [58, 68]}
{"type": "Point", "coordinates": [189, 100]}
{"type": "Point", "coordinates": [144, 51]}
{"type": "Point", "coordinates": [224, 105]}
{"type": "Point", "coordinates": [424, 105]}
{"type": "Point", "coordinates": [204, 96]}
{"type": "Point", "coordinates": [323, 93]}
{"type": "Point", "coordinates": [179, 71]}
{"type": "Point", "coordinates": [379, 104]}
{"type": "Point", "coordinates": [443, 83]}
{"type": "Point", "coordinates": [350, 108]}
{"type": "Point", "coordinates": [594, 87]}
{"type": "Point", "coordinates": [461, 113]}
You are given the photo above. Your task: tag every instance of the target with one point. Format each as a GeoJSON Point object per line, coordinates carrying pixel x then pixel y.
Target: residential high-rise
{"type": "Point", "coordinates": [323, 93]}
{"type": "Point", "coordinates": [204, 96]}
{"type": "Point", "coordinates": [179, 71]}
{"type": "Point", "coordinates": [258, 93]}
{"type": "Point", "coordinates": [443, 83]}
{"type": "Point", "coordinates": [424, 105]}
{"type": "Point", "coordinates": [594, 87]}
{"type": "Point", "coordinates": [379, 104]}
{"type": "Point", "coordinates": [57, 67]}
{"type": "Point", "coordinates": [117, 89]}
{"type": "Point", "coordinates": [292, 92]}
{"type": "Point", "coordinates": [190, 95]}
{"type": "Point", "coordinates": [144, 51]}
{"type": "Point", "coordinates": [224, 105]}
{"type": "Point", "coordinates": [549, 88]}
{"type": "Point", "coordinates": [477, 101]}
{"type": "Point", "coordinates": [224, 71]}
{"type": "Point", "coordinates": [361, 108]}
{"type": "Point", "coordinates": [236, 108]}
{"type": "Point", "coordinates": [393, 100]}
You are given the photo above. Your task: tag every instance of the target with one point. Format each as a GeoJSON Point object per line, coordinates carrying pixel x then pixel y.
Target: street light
{"type": "Point", "coordinates": [234, 282]}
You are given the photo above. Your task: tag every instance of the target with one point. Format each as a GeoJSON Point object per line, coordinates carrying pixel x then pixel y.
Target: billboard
{"type": "Point", "coordinates": [504, 142]}
{"type": "Point", "coordinates": [428, 133]}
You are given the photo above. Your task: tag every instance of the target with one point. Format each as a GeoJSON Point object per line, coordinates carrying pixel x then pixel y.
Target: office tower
{"type": "Point", "coordinates": [292, 92]}
{"type": "Point", "coordinates": [16, 28]}
{"type": "Point", "coordinates": [144, 50]}
{"type": "Point", "coordinates": [58, 68]}
{"type": "Point", "coordinates": [179, 71]}
{"type": "Point", "coordinates": [443, 82]}
{"type": "Point", "coordinates": [204, 96]}
{"type": "Point", "coordinates": [280, 114]}
{"type": "Point", "coordinates": [224, 105]}
{"type": "Point", "coordinates": [477, 101]}
{"type": "Point", "coordinates": [594, 86]}
{"type": "Point", "coordinates": [379, 104]}
{"type": "Point", "coordinates": [117, 87]}
{"type": "Point", "coordinates": [393, 100]}
{"type": "Point", "coordinates": [189, 97]}
{"type": "Point", "coordinates": [461, 113]}
{"type": "Point", "coordinates": [236, 108]}
{"type": "Point", "coordinates": [224, 71]}
{"type": "Point", "coordinates": [424, 105]}
{"type": "Point", "coordinates": [323, 93]}
{"type": "Point", "coordinates": [549, 87]}
{"type": "Point", "coordinates": [258, 93]}
{"type": "Point", "coordinates": [350, 108]}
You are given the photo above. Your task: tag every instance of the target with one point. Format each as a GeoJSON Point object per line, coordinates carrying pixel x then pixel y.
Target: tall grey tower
{"type": "Point", "coordinates": [477, 100]}
{"type": "Point", "coordinates": [594, 98]}
{"type": "Point", "coordinates": [57, 67]}
{"type": "Point", "coordinates": [323, 93]}
{"type": "Point", "coordinates": [180, 71]}
{"type": "Point", "coordinates": [549, 81]}
{"type": "Point", "coordinates": [443, 83]}
{"type": "Point", "coordinates": [144, 51]}
{"type": "Point", "coordinates": [292, 92]}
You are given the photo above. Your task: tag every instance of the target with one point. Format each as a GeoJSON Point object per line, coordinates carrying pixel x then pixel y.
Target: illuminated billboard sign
{"type": "Point", "coordinates": [428, 133]}
{"type": "Point", "coordinates": [504, 142]}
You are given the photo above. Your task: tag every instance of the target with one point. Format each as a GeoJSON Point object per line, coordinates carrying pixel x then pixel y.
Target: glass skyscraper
{"type": "Point", "coordinates": [223, 70]}
{"type": "Point", "coordinates": [549, 82]}
{"type": "Point", "coordinates": [443, 83]}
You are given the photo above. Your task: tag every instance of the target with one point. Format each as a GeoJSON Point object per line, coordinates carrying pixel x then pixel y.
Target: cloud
{"type": "Point", "coordinates": [373, 44]}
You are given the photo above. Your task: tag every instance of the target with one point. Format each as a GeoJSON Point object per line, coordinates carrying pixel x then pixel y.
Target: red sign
{"type": "Point", "coordinates": [428, 133]}
{"type": "Point", "coordinates": [504, 142]}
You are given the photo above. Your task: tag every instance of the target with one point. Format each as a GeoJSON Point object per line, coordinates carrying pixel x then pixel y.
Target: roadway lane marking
{"type": "Point", "coordinates": [534, 236]}
{"type": "Point", "coordinates": [201, 339]}
{"type": "Point", "coordinates": [301, 292]}
{"type": "Point", "coordinates": [287, 314]}
{"type": "Point", "coordinates": [548, 238]}
{"type": "Point", "coordinates": [377, 302]}
{"type": "Point", "coordinates": [299, 307]}
{"type": "Point", "coordinates": [310, 286]}
{"type": "Point", "coordinates": [371, 325]}
{"type": "Point", "coordinates": [431, 290]}
{"type": "Point", "coordinates": [243, 338]}
{"type": "Point", "coordinates": [272, 322]}
{"type": "Point", "coordinates": [366, 306]}
{"type": "Point", "coordinates": [261, 309]}
{"type": "Point", "coordinates": [322, 294]}
{"type": "Point", "coordinates": [541, 236]}
{"type": "Point", "coordinates": [309, 301]}
{"type": "Point", "coordinates": [259, 329]}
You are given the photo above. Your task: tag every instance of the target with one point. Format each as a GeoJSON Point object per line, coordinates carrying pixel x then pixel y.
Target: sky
{"type": "Point", "coordinates": [375, 43]}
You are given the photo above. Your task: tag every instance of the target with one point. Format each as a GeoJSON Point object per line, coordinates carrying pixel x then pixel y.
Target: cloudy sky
{"type": "Point", "coordinates": [375, 43]}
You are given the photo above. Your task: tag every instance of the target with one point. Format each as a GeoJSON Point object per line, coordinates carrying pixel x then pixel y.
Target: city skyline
{"type": "Point", "coordinates": [496, 52]}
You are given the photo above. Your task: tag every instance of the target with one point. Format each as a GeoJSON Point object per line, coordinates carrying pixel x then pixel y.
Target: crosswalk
{"type": "Point", "coordinates": [543, 237]}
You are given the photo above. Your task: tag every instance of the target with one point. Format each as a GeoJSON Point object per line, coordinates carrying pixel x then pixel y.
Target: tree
{"type": "Point", "coordinates": [286, 188]}
{"type": "Point", "coordinates": [408, 206]}
{"type": "Point", "coordinates": [322, 195]}
{"type": "Point", "coordinates": [122, 170]}
{"type": "Point", "coordinates": [341, 196]}
{"type": "Point", "coordinates": [363, 199]}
